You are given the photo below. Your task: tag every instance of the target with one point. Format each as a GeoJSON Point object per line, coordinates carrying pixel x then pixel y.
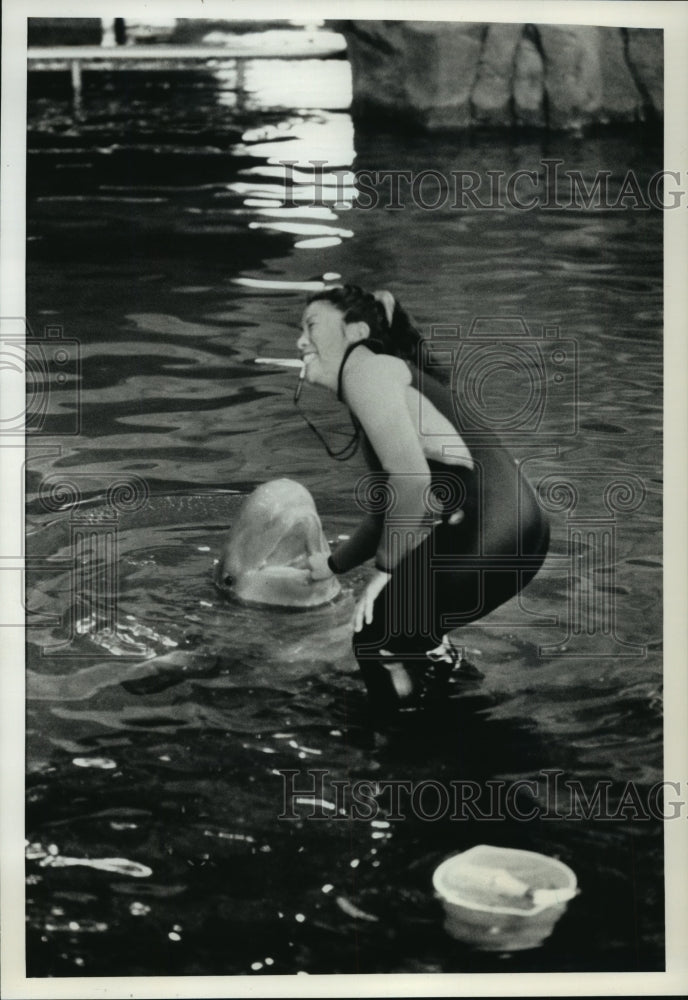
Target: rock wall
{"type": "Point", "coordinates": [444, 75]}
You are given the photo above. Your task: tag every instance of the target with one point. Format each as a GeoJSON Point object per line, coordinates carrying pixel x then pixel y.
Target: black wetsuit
{"type": "Point", "coordinates": [458, 572]}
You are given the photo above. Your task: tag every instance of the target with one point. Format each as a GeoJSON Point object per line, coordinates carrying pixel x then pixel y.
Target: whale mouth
{"type": "Point", "coordinates": [290, 548]}
{"type": "Point", "coordinates": [280, 576]}
{"type": "Point", "coordinates": [266, 558]}
{"type": "Point", "coordinates": [283, 587]}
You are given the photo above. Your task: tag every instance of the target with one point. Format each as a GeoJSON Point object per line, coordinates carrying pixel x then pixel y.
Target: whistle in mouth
{"type": "Point", "coordinates": [280, 362]}
{"type": "Point", "coordinates": [299, 384]}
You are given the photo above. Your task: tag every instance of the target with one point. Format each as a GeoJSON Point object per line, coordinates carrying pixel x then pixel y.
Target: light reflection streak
{"type": "Point", "coordinates": [325, 178]}
{"type": "Point", "coordinates": [310, 193]}
{"type": "Point", "coordinates": [301, 228]}
{"type": "Point", "coordinates": [317, 244]}
{"type": "Point", "coordinates": [320, 146]}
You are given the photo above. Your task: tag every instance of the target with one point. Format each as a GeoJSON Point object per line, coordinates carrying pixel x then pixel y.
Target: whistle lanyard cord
{"type": "Point", "coordinates": [349, 449]}
{"type": "Point", "coordinates": [352, 445]}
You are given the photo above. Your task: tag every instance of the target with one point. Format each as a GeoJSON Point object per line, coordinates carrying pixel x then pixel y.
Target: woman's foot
{"type": "Point", "coordinates": [393, 685]}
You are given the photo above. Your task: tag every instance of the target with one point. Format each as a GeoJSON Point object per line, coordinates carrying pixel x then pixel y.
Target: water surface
{"type": "Point", "coordinates": [165, 247]}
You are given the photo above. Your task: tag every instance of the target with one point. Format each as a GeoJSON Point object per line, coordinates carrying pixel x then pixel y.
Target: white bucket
{"type": "Point", "coordinates": [501, 899]}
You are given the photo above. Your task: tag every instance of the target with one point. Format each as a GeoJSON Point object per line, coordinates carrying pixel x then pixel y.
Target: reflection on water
{"type": "Point", "coordinates": [175, 253]}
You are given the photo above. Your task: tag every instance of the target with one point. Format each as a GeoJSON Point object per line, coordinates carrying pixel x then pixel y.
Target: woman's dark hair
{"type": "Point", "coordinates": [391, 332]}
{"type": "Point", "coordinates": [396, 335]}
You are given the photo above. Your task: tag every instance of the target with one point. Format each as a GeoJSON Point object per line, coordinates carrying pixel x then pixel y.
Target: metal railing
{"type": "Point", "coordinates": [76, 58]}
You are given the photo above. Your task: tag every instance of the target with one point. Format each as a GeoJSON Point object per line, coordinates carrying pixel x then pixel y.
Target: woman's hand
{"type": "Point", "coordinates": [317, 564]}
{"type": "Point", "coordinates": [364, 606]}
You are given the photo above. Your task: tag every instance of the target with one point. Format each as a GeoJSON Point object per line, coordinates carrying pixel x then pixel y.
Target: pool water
{"type": "Point", "coordinates": [162, 245]}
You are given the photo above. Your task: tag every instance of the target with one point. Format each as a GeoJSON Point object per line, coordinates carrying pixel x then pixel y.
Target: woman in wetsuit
{"type": "Point", "coordinates": [454, 528]}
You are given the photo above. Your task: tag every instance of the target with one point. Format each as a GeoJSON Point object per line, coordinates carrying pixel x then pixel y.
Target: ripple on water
{"type": "Point", "coordinates": [200, 741]}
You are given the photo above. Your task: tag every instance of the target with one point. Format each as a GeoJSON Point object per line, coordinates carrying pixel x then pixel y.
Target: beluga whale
{"type": "Point", "coordinates": [261, 564]}
{"type": "Point", "coordinates": [264, 560]}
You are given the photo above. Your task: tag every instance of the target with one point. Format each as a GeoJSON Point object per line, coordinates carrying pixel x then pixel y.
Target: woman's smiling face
{"type": "Point", "coordinates": [323, 341]}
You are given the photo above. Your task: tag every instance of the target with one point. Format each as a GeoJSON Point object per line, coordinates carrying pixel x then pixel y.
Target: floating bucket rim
{"type": "Point", "coordinates": [452, 897]}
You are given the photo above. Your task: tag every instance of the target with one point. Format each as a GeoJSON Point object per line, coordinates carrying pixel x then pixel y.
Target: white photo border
{"type": "Point", "coordinates": [673, 18]}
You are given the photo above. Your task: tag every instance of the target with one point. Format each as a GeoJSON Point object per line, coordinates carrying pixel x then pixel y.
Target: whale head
{"type": "Point", "coordinates": [264, 559]}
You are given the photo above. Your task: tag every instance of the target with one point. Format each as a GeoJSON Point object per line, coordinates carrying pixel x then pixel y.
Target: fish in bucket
{"type": "Point", "coordinates": [503, 899]}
